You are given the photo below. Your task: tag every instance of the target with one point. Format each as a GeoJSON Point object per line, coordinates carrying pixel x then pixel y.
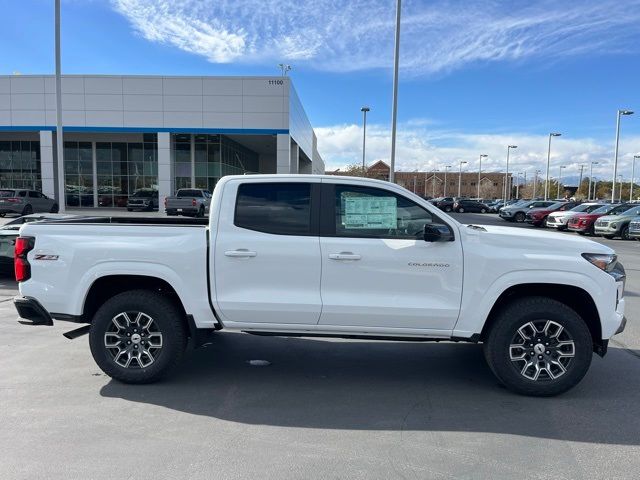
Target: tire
{"type": "Point", "coordinates": [166, 328]}
{"type": "Point", "coordinates": [542, 377]}
{"type": "Point", "coordinates": [447, 209]}
{"type": "Point", "coordinates": [544, 222]}
{"type": "Point", "coordinates": [2, 215]}
{"type": "Point", "coordinates": [200, 213]}
{"type": "Point", "coordinates": [28, 210]}
{"type": "Point", "coordinates": [54, 208]}
{"type": "Point", "coordinates": [460, 209]}
{"type": "Point", "coordinates": [624, 233]}
{"type": "Point", "coordinates": [483, 210]}
{"type": "Point", "coordinates": [519, 217]}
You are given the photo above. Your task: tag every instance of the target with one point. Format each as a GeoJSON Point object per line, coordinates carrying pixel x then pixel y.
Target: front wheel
{"type": "Point", "coordinates": [137, 337]}
{"type": "Point", "coordinates": [447, 209]}
{"type": "Point", "coordinates": [519, 217]}
{"type": "Point", "coordinates": [624, 234]}
{"type": "Point", "coordinates": [461, 210]}
{"type": "Point", "coordinates": [483, 210]}
{"type": "Point", "coordinates": [538, 346]}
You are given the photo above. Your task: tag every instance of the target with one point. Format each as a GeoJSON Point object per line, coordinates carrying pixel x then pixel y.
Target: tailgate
{"type": "Point", "coordinates": [183, 202]}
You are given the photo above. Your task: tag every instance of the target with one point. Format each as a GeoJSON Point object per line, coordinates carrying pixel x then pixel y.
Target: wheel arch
{"type": "Point", "coordinates": [108, 286]}
{"type": "Point", "coordinates": [572, 296]}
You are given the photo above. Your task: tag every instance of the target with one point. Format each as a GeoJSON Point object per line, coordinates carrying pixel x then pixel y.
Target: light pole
{"type": "Point", "coordinates": [506, 175]}
{"type": "Point", "coordinates": [535, 184]}
{"type": "Point", "coordinates": [284, 68]}
{"type": "Point", "coordinates": [546, 185]}
{"type": "Point", "coordinates": [480, 171]}
{"type": "Point", "coordinates": [620, 193]}
{"type": "Point", "coordinates": [560, 179]}
{"type": "Point", "coordinates": [364, 111]}
{"type": "Point", "coordinates": [518, 184]}
{"type": "Point", "coordinates": [633, 174]}
{"type": "Point", "coordinates": [394, 109]}
{"type": "Point", "coordinates": [580, 181]}
{"type": "Point", "coordinates": [59, 143]}
{"type": "Point", "coordinates": [590, 177]}
{"type": "Point", "coordinates": [446, 169]}
{"type": "Point", "coordinates": [615, 155]}
{"type": "Point", "coordinates": [595, 186]}
{"type": "Point", "coordinates": [460, 178]}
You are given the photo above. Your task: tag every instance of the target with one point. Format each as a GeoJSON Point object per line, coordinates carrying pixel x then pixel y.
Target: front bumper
{"type": "Point", "coordinates": [605, 230]}
{"type": "Point", "coordinates": [30, 309]}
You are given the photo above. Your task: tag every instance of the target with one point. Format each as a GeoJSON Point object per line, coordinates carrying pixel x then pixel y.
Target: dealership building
{"type": "Point", "coordinates": [126, 133]}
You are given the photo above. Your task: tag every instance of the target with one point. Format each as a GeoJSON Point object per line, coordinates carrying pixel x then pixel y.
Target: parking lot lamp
{"type": "Point", "coordinates": [615, 155]}
{"type": "Point", "coordinates": [507, 190]}
{"type": "Point", "coordinates": [560, 179]}
{"type": "Point", "coordinates": [620, 193]}
{"type": "Point", "coordinates": [364, 111]}
{"type": "Point", "coordinates": [446, 169]}
{"type": "Point", "coordinates": [590, 177]}
{"type": "Point", "coordinates": [460, 178]}
{"type": "Point", "coordinates": [394, 104]}
{"type": "Point", "coordinates": [535, 184]}
{"type": "Point", "coordinates": [546, 185]}
{"type": "Point", "coordinates": [480, 171]}
{"type": "Point", "coordinates": [633, 174]}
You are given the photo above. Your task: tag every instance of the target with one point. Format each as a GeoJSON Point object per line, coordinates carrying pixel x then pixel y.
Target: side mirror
{"type": "Point", "coordinates": [436, 233]}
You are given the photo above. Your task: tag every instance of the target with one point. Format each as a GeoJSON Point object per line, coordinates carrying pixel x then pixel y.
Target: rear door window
{"type": "Point", "coordinates": [277, 208]}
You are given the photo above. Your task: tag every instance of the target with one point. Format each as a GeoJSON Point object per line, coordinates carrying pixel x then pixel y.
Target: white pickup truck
{"type": "Point", "coordinates": [328, 256]}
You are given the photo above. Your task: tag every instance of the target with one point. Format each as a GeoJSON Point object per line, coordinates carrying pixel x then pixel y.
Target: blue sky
{"type": "Point", "coordinates": [475, 75]}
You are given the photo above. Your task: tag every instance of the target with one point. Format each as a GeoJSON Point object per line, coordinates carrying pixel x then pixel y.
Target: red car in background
{"type": "Point", "coordinates": [583, 222]}
{"type": "Point", "coordinates": [538, 216]}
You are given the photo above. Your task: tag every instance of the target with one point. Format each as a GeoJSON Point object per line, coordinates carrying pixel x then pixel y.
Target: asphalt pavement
{"type": "Point", "coordinates": [323, 408]}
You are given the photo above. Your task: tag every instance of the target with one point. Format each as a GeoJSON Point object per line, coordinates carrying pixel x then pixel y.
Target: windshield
{"type": "Point", "coordinates": [583, 208]}
{"type": "Point", "coordinates": [604, 209]}
{"type": "Point", "coordinates": [144, 194]}
{"type": "Point", "coordinates": [555, 206]}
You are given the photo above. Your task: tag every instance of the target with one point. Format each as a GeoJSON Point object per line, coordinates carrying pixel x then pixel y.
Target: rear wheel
{"type": "Point", "coordinates": [28, 210]}
{"type": "Point", "coordinates": [447, 209]}
{"type": "Point", "coordinates": [538, 346]}
{"type": "Point", "coordinates": [483, 210]}
{"type": "Point", "coordinates": [519, 217]}
{"type": "Point", "coordinates": [460, 209]}
{"type": "Point", "coordinates": [137, 337]}
{"type": "Point", "coordinates": [54, 208]}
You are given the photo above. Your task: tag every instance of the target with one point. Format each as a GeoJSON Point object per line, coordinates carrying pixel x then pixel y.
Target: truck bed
{"type": "Point", "coordinates": [183, 221]}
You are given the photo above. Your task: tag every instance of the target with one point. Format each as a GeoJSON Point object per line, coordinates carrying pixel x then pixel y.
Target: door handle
{"type": "Point", "coordinates": [240, 253]}
{"type": "Point", "coordinates": [344, 256]}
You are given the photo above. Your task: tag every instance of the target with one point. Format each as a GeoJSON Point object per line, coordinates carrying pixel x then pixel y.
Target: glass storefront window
{"type": "Point", "coordinates": [20, 164]}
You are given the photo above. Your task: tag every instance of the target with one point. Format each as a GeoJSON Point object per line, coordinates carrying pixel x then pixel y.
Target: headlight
{"type": "Point", "coordinates": [604, 261]}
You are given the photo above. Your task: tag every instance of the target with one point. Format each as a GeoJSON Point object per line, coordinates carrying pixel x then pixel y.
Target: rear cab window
{"type": "Point", "coordinates": [189, 193]}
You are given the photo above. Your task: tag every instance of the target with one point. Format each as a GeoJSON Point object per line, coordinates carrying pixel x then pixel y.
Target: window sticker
{"type": "Point", "coordinates": [370, 212]}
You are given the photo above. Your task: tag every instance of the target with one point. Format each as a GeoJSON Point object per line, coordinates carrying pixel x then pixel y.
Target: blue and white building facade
{"type": "Point", "coordinates": [126, 133]}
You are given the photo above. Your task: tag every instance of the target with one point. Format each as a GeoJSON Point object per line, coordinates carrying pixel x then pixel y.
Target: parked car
{"type": "Point", "coordinates": [538, 216]}
{"type": "Point", "coordinates": [143, 199]}
{"type": "Point", "coordinates": [634, 228]}
{"type": "Point", "coordinates": [560, 218]}
{"type": "Point", "coordinates": [462, 206]}
{"type": "Point", "coordinates": [582, 223]}
{"type": "Point", "coordinates": [616, 224]}
{"type": "Point", "coordinates": [25, 202]}
{"type": "Point", "coordinates": [273, 259]}
{"type": "Point", "coordinates": [494, 207]}
{"type": "Point", "coordinates": [10, 231]}
{"type": "Point", "coordinates": [188, 201]}
{"type": "Point", "coordinates": [445, 204]}
{"type": "Point", "coordinates": [517, 212]}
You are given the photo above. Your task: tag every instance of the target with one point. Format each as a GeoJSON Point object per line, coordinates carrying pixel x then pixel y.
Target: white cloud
{"type": "Point", "coordinates": [356, 34]}
{"type": "Point", "coordinates": [421, 149]}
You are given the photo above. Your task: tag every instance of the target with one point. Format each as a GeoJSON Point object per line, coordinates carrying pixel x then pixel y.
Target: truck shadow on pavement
{"type": "Point", "coordinates": [368, 385]}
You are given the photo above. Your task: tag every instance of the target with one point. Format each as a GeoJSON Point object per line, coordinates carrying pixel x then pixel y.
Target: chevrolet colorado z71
{"type": "Point", "coordinates": [306, 255]}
